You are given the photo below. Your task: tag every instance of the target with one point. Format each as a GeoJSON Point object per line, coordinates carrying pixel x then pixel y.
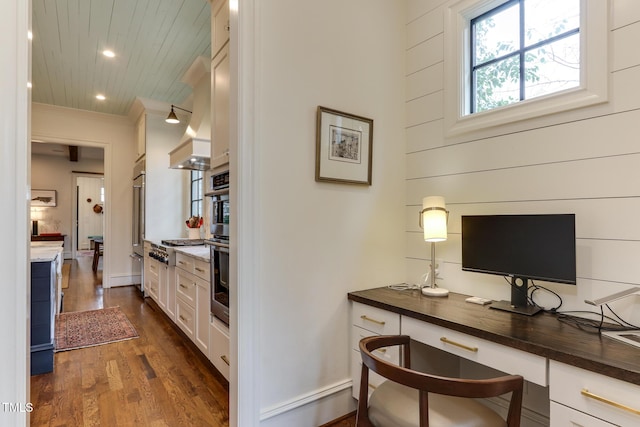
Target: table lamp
{"type": "Point", "coordinates": [433, 220]}
{"type": "Point", "coordinates": [36, 215]}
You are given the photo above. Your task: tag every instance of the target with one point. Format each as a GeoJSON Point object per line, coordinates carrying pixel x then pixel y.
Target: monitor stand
{"type": "Point", "coordinates": [527, 310]}
{"type": "Point", "coordinates": [519, 299]}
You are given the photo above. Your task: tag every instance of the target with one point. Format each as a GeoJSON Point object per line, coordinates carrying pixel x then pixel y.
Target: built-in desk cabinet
{"type": "Point", "coordinates": [506, 359]}
{"type": "Point", "coordinates": [584, 398]}
{"type": "Point", "coordinates": [578, 397]}
{"type": "Point", "coordinates": [369, 321]}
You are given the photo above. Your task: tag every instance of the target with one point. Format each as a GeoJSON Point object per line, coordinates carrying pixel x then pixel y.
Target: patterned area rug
{"type": "Point", "coordinates": [90, 328]}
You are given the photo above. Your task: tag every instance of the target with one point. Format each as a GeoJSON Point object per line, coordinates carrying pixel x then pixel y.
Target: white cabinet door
{"type": "Point", "coordinates": [220, 86]}
{"type": "Point", "coordinates": [219, 339]}
{"type": "Point", "coordinates": [171, 293]}
{"type": "Point", "coordinates": [219, 25]}
{"type": "Point", "coordinates": [202, 315]}
{"type": "Point", "coordinates": [162, 286]}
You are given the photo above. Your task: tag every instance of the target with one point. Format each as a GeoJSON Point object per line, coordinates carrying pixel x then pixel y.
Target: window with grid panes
{"type": "Point", "coordinates": [523, 49]}
{"type": "Point", "coordinates": [197, 180]}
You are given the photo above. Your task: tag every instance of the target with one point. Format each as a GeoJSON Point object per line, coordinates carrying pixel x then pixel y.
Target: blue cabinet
{"type": "Point", "coordinates": [43, 279]}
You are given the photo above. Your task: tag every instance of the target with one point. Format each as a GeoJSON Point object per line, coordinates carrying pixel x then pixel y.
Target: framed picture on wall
{"type": "Point", "coordinates": [40, 198]}
{"type": "Point", "coordinates": [344, 144]}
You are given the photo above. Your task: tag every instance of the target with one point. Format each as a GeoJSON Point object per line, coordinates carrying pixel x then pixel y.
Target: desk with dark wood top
{"type": "Point", "coordinates": [543, 334]}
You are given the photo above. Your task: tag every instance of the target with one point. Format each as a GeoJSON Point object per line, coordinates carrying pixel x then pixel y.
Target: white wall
{"type": "Point", "coordinates": [115, 134]}
{"type": "Point", "coordinates": [583, 162]}
{"type": "Point", "coordinates": [14, 227]}
{"type": "Point", "coordinates": [167, 190]}
{"type": "Point", "coordinates": [317, 241]}
{"type": "Point", "coordinates": [55, 173]}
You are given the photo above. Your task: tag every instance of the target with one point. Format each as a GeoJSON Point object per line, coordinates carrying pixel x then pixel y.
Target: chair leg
{"type": "Point", "coordinates": [96, 258]}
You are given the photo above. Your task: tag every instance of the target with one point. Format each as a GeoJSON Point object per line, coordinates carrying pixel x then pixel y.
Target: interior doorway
{"type": "Point", "coordinates": [89, 208]}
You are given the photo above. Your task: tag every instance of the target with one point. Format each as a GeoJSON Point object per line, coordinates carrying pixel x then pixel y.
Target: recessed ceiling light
{"type": "Point", "coordinates": [29, 85]}
{"type": "Point", "coordinates": [101, 97]}
{"type": "Point", "coordinates": [108, 53]}
{"type": "Point", "coordinates": [30, 35]}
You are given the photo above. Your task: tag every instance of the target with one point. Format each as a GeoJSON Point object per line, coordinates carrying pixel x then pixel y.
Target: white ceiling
{"type": "Point", "coordinates": [155, 42]}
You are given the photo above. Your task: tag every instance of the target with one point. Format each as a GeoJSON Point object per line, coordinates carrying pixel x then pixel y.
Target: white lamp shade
{"type": "Point", "coordinates": [434, 219]}
{"type": "Point", "coordinates": [36, 214]}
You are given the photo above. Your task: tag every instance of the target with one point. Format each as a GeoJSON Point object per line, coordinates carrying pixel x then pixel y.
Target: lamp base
{"type": "Point", "coordinates": [435, 292]}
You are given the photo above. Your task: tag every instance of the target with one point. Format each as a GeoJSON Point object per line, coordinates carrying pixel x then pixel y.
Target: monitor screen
{"type": "Point", "coordinates": [523, 247]}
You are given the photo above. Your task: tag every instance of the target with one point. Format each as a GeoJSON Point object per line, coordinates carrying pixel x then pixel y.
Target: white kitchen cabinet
{"type": "Point", "coordinates": [170, 308]}
{"type": "Point", "coordinates": [219, 25]}
{"type": "Point", "coordinates": [220, 88]}
{"type": "Point", "coordinates": [202, 315]}
{"type": "Point", "coordinates": [219, 348]}
{"type": "Point", "coordinates": [152, 279]}
{"type": "Point", "coordinates": [193, 299]}
{"type": "Point", "coordinates": [141, 135]}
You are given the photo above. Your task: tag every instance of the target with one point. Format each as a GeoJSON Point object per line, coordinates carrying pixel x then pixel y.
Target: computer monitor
{"type": "Point", "coordinates": [522, 247]}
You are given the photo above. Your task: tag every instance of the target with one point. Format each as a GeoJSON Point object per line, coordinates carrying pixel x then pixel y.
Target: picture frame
{"type": "Point", "coordinates": [43, 198]}
{"type": "Point", "coordinates": [344, 147]}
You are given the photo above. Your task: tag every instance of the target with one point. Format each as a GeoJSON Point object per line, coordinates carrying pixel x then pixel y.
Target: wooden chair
{"type": "Point", "coordinates": [411, 398]}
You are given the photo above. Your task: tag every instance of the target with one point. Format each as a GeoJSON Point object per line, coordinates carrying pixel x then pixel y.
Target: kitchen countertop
{"type": "Point", "coordinates": [46, 251]}
{"type": "Point", "coordinates": [200, 252]}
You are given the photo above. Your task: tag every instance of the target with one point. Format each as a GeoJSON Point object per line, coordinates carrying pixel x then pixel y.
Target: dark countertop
{"type": "Point", "coordinates": [542, 334]}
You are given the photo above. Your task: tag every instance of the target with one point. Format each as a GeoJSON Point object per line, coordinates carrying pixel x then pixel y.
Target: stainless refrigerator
{"type": "Point", "coordinates": [137, 225]}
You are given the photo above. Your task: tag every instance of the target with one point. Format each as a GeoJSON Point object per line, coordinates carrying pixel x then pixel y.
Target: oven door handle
{"type": "Point", "coordinates": [222, 247]}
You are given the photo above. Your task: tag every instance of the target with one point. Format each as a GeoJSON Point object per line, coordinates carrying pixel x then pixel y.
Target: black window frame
{"type": "Point", "coordinates": [520, 52]}
{"type": "Point", "coordinates": [194, 177]}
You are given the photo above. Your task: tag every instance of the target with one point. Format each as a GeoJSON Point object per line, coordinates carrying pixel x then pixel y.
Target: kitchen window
{"type": "Point", "coordinates": [517, 60]}
{"type": "Point", "coordinates": [197, 182]}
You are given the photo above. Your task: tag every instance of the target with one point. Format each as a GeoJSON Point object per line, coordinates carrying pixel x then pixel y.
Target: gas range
{"type": "Point", "coordinates": [165, 251]}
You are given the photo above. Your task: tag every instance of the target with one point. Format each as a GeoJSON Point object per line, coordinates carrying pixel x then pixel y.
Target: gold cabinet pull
{"type": "Point", "coordinates": [590, 395]}
{"type": "Point", "coordinates": [183, 286]}
{"type": "Point", "coordinates": [225, 359]}
{"type": "Point", "coordinates": [379, 322]}
{"type": "Point", "coordinates": [200, 270]}
{"type": "Point", "coordinates": [457, 344]}
{"type": "Point", "coordinates": [182, 318]}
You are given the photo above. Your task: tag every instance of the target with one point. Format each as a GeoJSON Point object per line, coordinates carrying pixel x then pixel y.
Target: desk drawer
{"type": "Point", "coordinates": [356, 371]}
{"type": "Point", "coordinates": [378, 321]}
{"type": "Point", "coordinates": [562, 416]}
{"type": "Point", "coordinates": [567, 384]}
{"type": "Point", "coordinates": [391, 354]}
{"type": "Point", "coordinates": [506, 359]}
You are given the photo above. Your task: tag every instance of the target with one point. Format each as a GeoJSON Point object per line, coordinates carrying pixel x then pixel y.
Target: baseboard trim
{"type": "Point", "coordinates": [304, 399]}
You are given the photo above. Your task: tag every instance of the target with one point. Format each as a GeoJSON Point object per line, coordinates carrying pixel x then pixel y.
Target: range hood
{"type": "Point", "coordinates": [194, 149]}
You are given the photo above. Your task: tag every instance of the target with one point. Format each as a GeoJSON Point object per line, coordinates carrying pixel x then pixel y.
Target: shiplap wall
{"type": "Point", "coordinates": [585, 162]}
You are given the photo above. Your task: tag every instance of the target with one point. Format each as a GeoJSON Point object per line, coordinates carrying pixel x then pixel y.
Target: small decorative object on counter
{"type": "Point", "coordinates": [193, 224]}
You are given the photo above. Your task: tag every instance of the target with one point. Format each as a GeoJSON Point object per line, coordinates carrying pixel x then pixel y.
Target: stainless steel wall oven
{"type": "Point", "coordinates": [219, 245]}
{"type": "Point", "coordinates": [220, 280]}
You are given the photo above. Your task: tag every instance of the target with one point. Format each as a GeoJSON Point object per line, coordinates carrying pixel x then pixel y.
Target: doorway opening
{"type": "Point", "coordinates": [89, 208]}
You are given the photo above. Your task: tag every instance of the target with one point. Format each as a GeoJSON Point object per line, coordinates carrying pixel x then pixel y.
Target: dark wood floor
{"type": "Point", "coordinates": [153, 380]}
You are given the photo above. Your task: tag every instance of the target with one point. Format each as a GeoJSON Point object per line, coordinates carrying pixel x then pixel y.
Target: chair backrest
{"type": "Point", "coordinates": [427, 383]}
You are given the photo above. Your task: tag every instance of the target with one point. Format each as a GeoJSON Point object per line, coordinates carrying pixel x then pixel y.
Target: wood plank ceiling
{"type": "Point", "coordinates": [155, 42]}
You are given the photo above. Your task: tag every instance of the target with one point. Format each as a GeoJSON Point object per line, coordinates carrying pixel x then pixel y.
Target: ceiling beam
{"type": "Point", "coordinates": [73, 153]}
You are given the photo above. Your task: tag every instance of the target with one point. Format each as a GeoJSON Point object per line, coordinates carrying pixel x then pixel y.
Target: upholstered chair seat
{"type": "Point", "coordinates": [410, 398]}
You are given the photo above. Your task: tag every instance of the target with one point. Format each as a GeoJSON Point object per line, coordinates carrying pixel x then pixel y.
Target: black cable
{"type": "Point", "coordinates": [621, 319]}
